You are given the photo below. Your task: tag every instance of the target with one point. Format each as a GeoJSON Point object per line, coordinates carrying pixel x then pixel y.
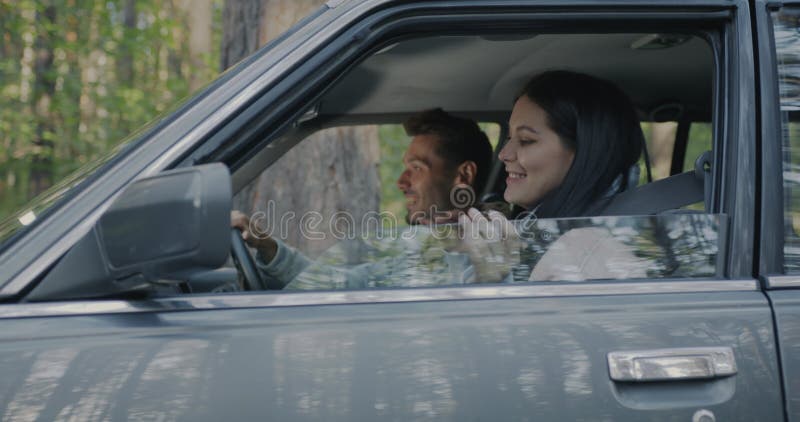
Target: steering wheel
{"type": "Point", "coordinates": [250, 277]}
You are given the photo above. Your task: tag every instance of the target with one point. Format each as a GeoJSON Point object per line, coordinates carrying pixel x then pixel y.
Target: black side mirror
{"type": "Point", "coordinates": [165, 227]}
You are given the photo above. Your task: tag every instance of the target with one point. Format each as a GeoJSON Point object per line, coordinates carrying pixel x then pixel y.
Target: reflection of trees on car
{"type": "Point", "coordinates": [667, 246]}
{"type": "Point", "coordinates": [661, 246]}
{"type": "Point", "coordinates": [787, 43]}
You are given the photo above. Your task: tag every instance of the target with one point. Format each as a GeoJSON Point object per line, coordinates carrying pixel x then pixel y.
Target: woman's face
{"type": "Point", "coordinates": [535, 158]}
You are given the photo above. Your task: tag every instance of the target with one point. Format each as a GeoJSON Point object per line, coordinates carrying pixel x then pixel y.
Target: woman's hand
{"type": "Point", "coordinates": [491, 242]}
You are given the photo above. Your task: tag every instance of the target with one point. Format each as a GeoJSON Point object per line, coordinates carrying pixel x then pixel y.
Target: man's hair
{"type": "Point", "coordinates": [460, 140]}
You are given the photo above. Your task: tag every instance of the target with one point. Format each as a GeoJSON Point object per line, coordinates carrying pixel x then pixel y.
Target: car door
{"type": "Point", "coordinates": [694, 347]}
{"type": "Point", "coordinates": [777, 33]}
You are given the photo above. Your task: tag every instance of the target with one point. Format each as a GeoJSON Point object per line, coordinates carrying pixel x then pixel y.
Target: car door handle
{"type": "Point", "coordinates": [671, 364]}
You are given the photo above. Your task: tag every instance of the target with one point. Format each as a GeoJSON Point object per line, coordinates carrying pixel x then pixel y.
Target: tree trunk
{"type": "Point", "coordinates": [76, 33]}
{"type": "Point", "coordinates": [662, 142]}
{"type": "Point", "coordinates": [41, 176]}
{"type": "Point", "coordinates": [199, 15]}
{"type": "Point", "coordinates": [125, 72]}
{"type": "Point", "coordinates": [332, 176]}
{"type": "Point", "coordinates": [279, 15]}
{"type": "Point", "coordinates": [175, 50]}
{"type": "Point", "coordinates": [240, 23]}
{"type": "Point", "coordinates": [13, 60]}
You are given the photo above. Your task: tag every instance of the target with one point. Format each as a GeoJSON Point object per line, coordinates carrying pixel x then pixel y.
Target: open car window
{"type": "Point", "coordinates": [330, 196]}
{"type": "Point", "coordinates": [371, 245]}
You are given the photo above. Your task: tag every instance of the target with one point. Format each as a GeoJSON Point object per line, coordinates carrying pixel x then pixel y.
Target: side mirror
{"type": "Point", "coordinates": [169, 223]}
{"type": "Point", "coordinates": [165, 227]}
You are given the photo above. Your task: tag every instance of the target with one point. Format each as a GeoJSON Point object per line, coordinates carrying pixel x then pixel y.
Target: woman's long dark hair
{"type": "Point", "coordinates": [595, 119]}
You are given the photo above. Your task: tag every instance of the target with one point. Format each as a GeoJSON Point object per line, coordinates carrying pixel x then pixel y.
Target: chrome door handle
{"type": "Point", "coordinates": [671, 364]}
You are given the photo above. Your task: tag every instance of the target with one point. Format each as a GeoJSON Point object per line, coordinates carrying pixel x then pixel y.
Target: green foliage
{"type": "Point", "coordinates": [700, 141]}
{"type": "Point", "coordinates": [106, 79]}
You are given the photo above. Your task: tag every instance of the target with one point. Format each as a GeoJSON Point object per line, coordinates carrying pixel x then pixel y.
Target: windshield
{"type": "Point", "coordinates": [29, 214]}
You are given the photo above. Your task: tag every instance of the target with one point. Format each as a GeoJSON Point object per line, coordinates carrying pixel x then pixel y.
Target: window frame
{"type": "Point", "coordinates": [771, 188]}
{"type": "Point", "coordinates": [734, 176]}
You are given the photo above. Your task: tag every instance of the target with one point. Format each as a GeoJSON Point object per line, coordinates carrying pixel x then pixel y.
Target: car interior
{"type": "Point", "coordinates": [669, 77]}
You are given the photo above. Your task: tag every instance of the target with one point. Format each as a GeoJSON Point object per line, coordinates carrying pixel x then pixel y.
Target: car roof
{"type": "Point", "coordinates": [664, 74]}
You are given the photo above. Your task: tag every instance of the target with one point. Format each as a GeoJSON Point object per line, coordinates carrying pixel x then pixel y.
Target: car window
{"type": "Point", "coordinates": [365, 241]}
{"type": "Point", "coordinates": [341, 219]}
{"type": "Point", "coordinates": [787, 42]}
{"type": "Point", "coordinates": [371, 245]}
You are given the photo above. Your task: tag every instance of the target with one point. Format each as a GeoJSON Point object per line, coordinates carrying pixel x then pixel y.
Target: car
{"type": "Point", "coordinates": [119, 300]}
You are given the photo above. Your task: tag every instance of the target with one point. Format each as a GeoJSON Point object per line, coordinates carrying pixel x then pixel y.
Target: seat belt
{"type": "Point", "coordinates": [703, 166]}
{"type": "Point", "coordinates": [662, 195]}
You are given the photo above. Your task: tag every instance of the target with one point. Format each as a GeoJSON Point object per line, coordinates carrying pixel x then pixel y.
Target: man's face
{"type": "Point", "coordinates": [427, 179]}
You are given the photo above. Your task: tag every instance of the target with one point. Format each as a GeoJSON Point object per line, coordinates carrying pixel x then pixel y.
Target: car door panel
{"type": "Point", "coordinates": [517, 359]}
{"type": "Point", "coordinates": [777, 41]}
{"type": "Point", "coordinates": [786, 305]}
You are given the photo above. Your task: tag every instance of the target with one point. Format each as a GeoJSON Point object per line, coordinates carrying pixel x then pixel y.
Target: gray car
{"type": "Point", "coordinates": [120, 303]}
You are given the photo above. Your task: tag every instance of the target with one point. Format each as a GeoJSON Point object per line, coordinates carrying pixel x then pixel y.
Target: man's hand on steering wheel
{"type": "Point", "coordinates": [242, 232]}
{"type": "Point", "coordinates": [266, 246]}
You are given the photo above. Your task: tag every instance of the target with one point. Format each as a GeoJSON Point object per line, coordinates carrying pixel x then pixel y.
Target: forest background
{"type": "Point", "coordinates": [78, 77]}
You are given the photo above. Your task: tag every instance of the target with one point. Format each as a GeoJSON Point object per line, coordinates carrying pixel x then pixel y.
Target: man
{"type": "Point", "coordinates": [446, 163]}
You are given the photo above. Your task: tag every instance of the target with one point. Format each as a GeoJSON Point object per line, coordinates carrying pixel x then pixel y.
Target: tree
{"type": "Point", "coordinates": [78, 76]}
{"type": "Point", "coordinates": [43, 91]}
{"type": "Point", "coordinates": [333, 173]}
{"type": "Point", "coordinates": [199, 17]}
{"type": "Point", "coordinates": [126, 47]}
{"type": "Point", "coordinates": [662, 142]}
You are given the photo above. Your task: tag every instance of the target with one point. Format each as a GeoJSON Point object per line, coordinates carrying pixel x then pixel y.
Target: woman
{"type": "Point", "coordinates": [573, 139]}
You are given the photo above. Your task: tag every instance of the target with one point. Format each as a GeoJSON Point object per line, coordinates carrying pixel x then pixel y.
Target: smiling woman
{"type": "Point", "coordinates": [573, 140]}
{"type": "Point", "coordinates": [535, 157]}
